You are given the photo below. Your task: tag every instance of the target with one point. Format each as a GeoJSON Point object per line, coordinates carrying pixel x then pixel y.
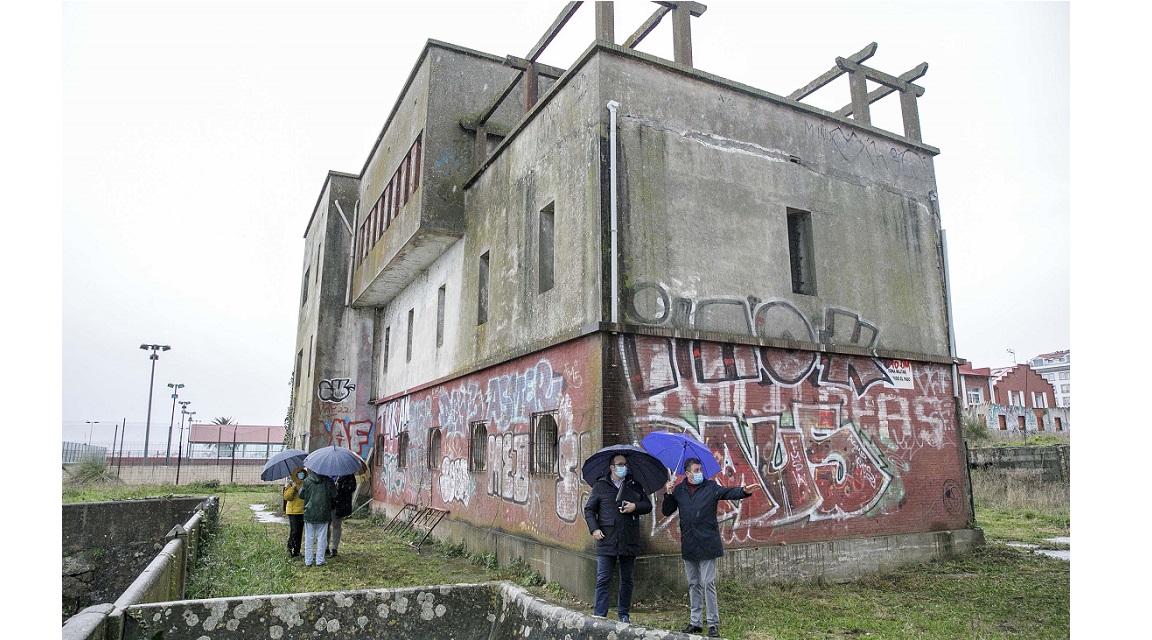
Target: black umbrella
{"type": "Point", "coordinates": [644, 467]}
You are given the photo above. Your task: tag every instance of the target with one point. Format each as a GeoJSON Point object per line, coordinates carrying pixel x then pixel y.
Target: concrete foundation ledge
{"type": "Point", "coordinates": [484, 611]}
{"type": "Point", "coordinates": [89, 624]}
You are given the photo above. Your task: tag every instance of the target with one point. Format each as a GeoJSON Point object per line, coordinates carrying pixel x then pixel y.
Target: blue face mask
{"type": "Point", "coordinates": [620, 471]}
{"type": "Point", "coordinates": [696, 478]}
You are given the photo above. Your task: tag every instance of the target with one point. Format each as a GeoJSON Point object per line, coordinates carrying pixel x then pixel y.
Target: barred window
{"type": "Point", "coordinates": [434, 437]}
{"type": "Point", "coordinates": [478, 452]}
{"type": "Point", "coordinates": [402, 451]}
{"type": "Point", "coordinates": [545, 444]}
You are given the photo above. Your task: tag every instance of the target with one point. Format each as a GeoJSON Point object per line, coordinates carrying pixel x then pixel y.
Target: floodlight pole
{"type": "Point", "coordinates": [172, 421]}
{"type": "Point", "coordinates": [154, 357]}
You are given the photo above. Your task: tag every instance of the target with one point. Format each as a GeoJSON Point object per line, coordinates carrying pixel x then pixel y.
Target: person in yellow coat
{"type": "Point", "coordinates": [294, 509]}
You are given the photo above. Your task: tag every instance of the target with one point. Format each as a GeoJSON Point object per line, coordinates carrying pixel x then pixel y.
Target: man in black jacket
{"type": "Point", "coordinates": [700, 543]}
{"type": "Point", "coordinates": [613, 515]}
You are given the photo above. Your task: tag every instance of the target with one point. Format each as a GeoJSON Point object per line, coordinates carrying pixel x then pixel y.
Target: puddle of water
{"type": "Point", "coordinates": [1060, 554]}
{"type": "Point", "coordinates": [263, 515]}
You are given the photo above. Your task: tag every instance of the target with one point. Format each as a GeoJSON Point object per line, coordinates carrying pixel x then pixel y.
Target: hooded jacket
{"type": "Point", "coordinates": [699, 528]}
{"type": "Point", "coordinates": [318, 492]}
{"type": "Point", "coordinates": [293, 503]}
{"type": "Point", "coordinates": [621, 530]}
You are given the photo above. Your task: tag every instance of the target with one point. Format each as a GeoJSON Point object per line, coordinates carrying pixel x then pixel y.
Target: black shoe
{"type": "Point", "coordinates": [624, 618]}
{"type": "Point", "coordinates": [713, 632]}
{"type": "Point", "coordinates": [333, 554]}
{"type": "Point", "coordinates": [328, 553]}
{"type": "Point", "coordinates": [691, 628]}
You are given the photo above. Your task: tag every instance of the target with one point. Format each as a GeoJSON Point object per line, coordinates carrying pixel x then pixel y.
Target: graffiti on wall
{"type": "Point", "coordinates": [900, 164]}
{"type": "Point", "coordinates": [829, 437]}
{"type": "Point", "coordinates": [337, 423]}
{"type": "Point", "coordinates": [506, 404]}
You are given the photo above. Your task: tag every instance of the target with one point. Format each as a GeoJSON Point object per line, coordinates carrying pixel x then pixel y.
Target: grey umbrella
{"type": "Point", "coordinates": [335, 461]}
{"type": "Point", "coordinates": [283, 464]}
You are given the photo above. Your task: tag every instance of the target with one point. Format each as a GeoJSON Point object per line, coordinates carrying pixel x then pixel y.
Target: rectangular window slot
{"type": "Point", "coordinates": [800, 258]}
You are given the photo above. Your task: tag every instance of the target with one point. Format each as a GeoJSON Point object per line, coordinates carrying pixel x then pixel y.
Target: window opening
{"type": "Point", "coordinates": [547, 247]}
{"type": "Point", "coordinates": [411, 317]}
{"type": "Point", "coordinates": [800, 259]}
{"type": "Point", "coordinates": [482, 291]}
{"type": "Point", "coordinates": [545, 444]}
{"type": "Point", "coordinates": [478, 449]}
{"type": "Point", "coordinates": [440, 316]}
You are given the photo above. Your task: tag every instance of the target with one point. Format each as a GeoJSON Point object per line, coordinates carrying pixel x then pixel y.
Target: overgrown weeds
{"type": "Point", "coordinates": [91, 470]}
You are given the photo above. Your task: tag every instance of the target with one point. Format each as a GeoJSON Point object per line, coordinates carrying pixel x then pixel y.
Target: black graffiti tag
{"type": "Point", "coordinates": [335, 390]}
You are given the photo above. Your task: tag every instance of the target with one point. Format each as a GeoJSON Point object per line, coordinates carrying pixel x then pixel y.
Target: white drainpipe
{"type": "Point", "coordinates": [612, 105]}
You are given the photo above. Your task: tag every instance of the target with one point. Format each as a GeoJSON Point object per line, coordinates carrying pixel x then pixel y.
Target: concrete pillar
{"type": "Point", "coordinates": [531, 86]}
{"type": "Point", "coordinates": [858, 83]}
{"type": "Point", "coordinates": [606, 22]}
{"type": "Point", "coordinates": [682, 34]}
{"type": "Point", "coordinates": [911, 115]}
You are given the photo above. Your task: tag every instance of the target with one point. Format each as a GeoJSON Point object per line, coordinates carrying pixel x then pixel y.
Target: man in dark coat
{"type": "Point", "coordinates": [341, 508]}
{"type": "Point", "coordinates": [613, 515]}
{"type": "Point", "coordinates": [700, 537]}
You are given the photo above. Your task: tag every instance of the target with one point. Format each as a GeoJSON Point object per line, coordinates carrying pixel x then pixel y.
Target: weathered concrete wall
{"type": "Point", "coordinates": [553, 159]}
{"type": "Point", "coordinates": [487, 611]}
{"type": "Point", "coordinates": [709, 170]}
{"type": "Point", "coordinates": [162, 579]}
{"type": "Point", "coordinates": [428, 362]}
{"type": "Point", "coordinates": [106, 545]}
{"type": "Point", "coordinates": [1053, 463]}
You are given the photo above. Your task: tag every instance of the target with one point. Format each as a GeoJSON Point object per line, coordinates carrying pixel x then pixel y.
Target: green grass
{"type": "Point", "coordinates": [996, 592]}
{"type": "Point", "coordinates": [115, 491]}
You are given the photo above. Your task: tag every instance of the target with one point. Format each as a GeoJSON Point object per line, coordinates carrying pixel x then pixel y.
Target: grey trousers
{"type": "Point", "coordinates": [337, 528]}
{"type": "Point", "coordinates": [702, 590]}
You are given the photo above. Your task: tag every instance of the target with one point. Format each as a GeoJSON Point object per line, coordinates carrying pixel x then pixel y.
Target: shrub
{"type": "Point", "coordinates": [92, 470]}
{"type": "Point", "coordinates": [974, 431]}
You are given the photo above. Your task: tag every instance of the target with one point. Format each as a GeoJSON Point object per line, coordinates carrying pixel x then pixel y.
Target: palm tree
{"type": "Point", "coordinates": [228, 420]}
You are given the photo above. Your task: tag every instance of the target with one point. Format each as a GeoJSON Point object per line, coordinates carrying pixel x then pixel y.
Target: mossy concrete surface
{"type": "Point", "coordinates": [483, 611]}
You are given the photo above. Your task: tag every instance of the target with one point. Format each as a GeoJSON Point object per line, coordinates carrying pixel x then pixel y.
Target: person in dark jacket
{"type": "Point", "coordinates": [341, 508]}
{"type": "Point", "coordinates": [613, 515]}
{"type": "Point", "coordinates": [318, 491]}
{"type": "Point", "coordinates": [700, 543]}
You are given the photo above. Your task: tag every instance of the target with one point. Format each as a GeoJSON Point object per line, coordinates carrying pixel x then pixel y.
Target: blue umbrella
{"type": "Point", "coordinates": [283, 464]}
{"type": "Point", "coordinates": [674, 448]}
{"type": "Point", "coordinates": [335, 461]}
{"type": "Point", "coordinates": [642, 466]}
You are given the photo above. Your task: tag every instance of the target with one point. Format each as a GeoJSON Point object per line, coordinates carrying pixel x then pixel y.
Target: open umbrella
{"type": "Point", "coordinates": [674, 448]}
{"type": "Point", "coordinates": [282, 464]}
{"type": "Point", "coordinates": [335, 461]}
{"type": "Point", "coordinates": [642, 466]}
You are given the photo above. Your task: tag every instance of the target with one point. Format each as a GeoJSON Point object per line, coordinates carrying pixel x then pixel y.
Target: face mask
{"type": "Point", "coordinates": [696, 478]}
{"type": "Point", "coordinates": [621, 471]}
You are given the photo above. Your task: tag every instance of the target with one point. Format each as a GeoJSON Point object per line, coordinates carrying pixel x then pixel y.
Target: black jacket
{"type": "Point", "coordinates": [621, 530]}
{"type": "Point", "coordinates": [699, 529]}
{"type": "Point", "coordinates": [345, 489]}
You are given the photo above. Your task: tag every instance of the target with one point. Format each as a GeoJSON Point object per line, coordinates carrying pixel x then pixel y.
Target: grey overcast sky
{"type": "Point", "coordinates": [196, 137]}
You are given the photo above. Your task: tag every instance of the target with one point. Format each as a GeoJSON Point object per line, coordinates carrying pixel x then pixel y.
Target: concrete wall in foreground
{"type": "Point", "coordinates": [485, 611]}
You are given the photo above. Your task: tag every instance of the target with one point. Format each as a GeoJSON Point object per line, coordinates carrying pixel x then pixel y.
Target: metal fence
{"type": "Point", "coordinates": [75, 451]}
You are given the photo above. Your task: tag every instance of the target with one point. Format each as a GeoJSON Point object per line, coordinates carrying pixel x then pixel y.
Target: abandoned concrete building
{"type": "Point", "coordinates": [536, 262]}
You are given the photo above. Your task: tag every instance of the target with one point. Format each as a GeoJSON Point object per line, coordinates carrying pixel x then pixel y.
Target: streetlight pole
{"type": "Point", "coordinates": [171, 421]}
{"type": "Point", "coordinates": [180, 455]}
{"type": "Point", "coordinates": [90, 423]}
{"type": "Point", "coordinates": [154, 357]}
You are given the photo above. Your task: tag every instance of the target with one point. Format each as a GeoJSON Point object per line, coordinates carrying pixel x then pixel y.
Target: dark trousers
{"type": "Point", "coordinates": [605, 565]}
{"type": "Point", "coordinates": [295, 532]}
